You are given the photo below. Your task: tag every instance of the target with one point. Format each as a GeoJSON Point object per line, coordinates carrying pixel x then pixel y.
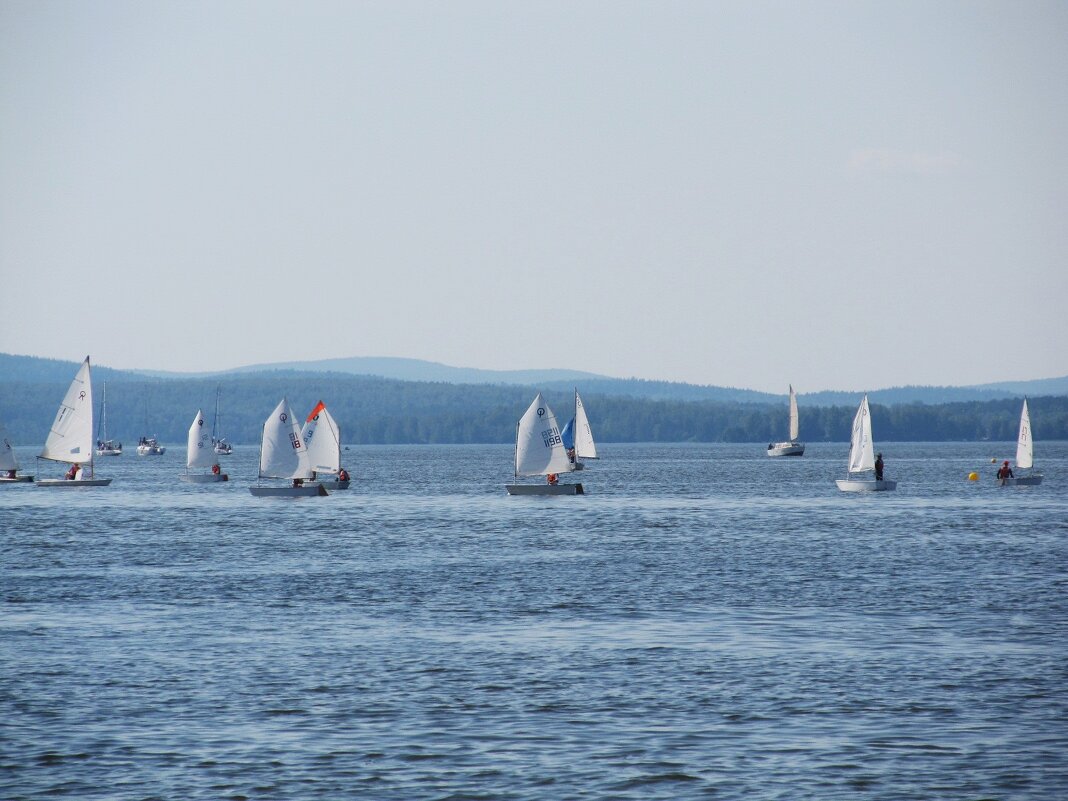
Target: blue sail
{"type": "Point", "coordinates": [568, 434]}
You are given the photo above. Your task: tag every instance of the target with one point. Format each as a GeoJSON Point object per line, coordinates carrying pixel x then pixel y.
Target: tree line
{"type": "Point", "coordinates": [384, 411]}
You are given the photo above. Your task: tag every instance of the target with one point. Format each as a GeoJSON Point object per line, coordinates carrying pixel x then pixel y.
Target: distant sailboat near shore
{"type": "Point", "coordinates": [218, 442]}
{"type": "Point", "coordinates": [862, 456]}
{"type": "Point", "coordinates": [539, 451]}
{"type": "Point", "coordinates": [1025, 455]}
{"type": "Point", "coordinates": [104, 446]}
{"type": "Point", "coordinates": [283, 455]}
{"type": "Point", "coordinates": [9, 463]}
{"type": "Point", "coordinates": [70, 439]}
{"type": "Point", "coordinates": [200, 454]}
{"type": "Point", "coordinates": [793, 447]}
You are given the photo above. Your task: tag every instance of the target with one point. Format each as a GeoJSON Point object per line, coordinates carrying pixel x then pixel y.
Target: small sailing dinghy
{"type": "Point", "coordinates": [104, 446]}
{"type": "Point", "coordinates": [862, 456]}
{"type": "Point", "coordinates": [1025, 455]}
{"type": "Point", "coordinates": [539, 451]}
{"type": "Point", "coordinates": [577, 436]}
{"type": "Point", "coordinates": [70, 439]}
{"type": "Point", "coordinates": [199, 453]}
{"type": "Point", "coordinates": [322, 441]}
{"type": "Point", "coordinates": [218, 443]}
{"type": "Point", "coordinates": [793, 447]}
{"type": "Point", "coordinates": [9, 463]}
{"type": "Point", "coordinates": [283, 455]}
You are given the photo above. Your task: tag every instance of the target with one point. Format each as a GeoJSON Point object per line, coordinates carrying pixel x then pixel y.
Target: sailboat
{"type": "Point", "coordinates": [539, 451]}
{"type": "Point", "coordinates": [322, 441]}
{"type": "Point", "coordinates": [104, 446]}
{"type": "Point", "coordinates": [862, 456]}
{"type": "Point", "coordinates": [793, 447]}
{"type": "Point", "coordinates": [9, 463]}
{"type": "Point", "coordinates": [1025, 455]}
{"type": "Point", "coordinates": [149, 446]}
{"type": "Point", "coordinates": [199, 453]}
{"type": "Point", "coordinates": [219, 444]}
{"type": "Point", "coordinates": [283, 455]}
{"type": "Point", "coordinates": [578, 437]}
{"type": "Point", "coordinates": [70, 439]}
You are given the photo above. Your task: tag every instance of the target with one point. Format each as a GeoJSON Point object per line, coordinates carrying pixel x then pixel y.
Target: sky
{"type": "Point", "coordinates": [837, 195]}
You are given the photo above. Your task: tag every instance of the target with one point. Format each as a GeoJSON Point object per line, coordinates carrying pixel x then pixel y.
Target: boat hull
{"type": "Point", "coordinates": [108, 453]}
{"type": "Point", "coordinates": [150, 451]}
{"type": "Point", "coordinates": [786, 449]}
{"type": "Point", "coordinates": [544, 489]}
{"type": "Point", "coordinates": [335, 484]}
{"type": "Point", "coordinates": [307, 491]}
{"type": "Point", "coordinates": [68, 484]}
{"type": "Point", "coordinates": [1022, 481]}
{"type": "Point", "coordinates": [16, 480]}
{"type": "Point", "coordinates": [204, 478]}
{"type": "Point", "coordinates": [865, 485]}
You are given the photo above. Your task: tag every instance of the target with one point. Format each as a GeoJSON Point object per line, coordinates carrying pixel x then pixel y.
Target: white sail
{"type": "Point", "coordinates": [322, 440]}
{"type": "Point", "coordinates": [8, 461]}
{"type": "Point", "coordinates": [198, 450]}
{"type": "Point", "coordinates": [585, 447]}
{"type": "Point", "coordinates": [71, 436]}
{"type": "Point", "coordinates": [1025, 447]}
{"type": "Point", "coordinates": [794, 428]}
{"type": "Point", "coordinates": [282, 452]}
{"type": "Point", "coordinates": [539, 449]}
{"type": "Point", "coordinates": [861, 448]}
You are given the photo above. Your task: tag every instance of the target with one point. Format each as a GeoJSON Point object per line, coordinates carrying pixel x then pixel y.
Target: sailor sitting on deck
{"type": "Point", "coordinates": [551, 478]}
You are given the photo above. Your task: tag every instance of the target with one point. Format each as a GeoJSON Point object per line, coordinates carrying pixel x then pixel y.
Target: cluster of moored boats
{"type": "Point", "coordinates": [308, 456]}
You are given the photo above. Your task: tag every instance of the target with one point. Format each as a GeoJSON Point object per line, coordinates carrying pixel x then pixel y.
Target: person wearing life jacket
{"type": "Point", "coordinates": [342, 474]}
{"type": "Point", "coordinates": [72, 473]}
{"type": "Point", "coordinates": [215, 469]}
{"type": "Point", "coordinates": [552, 478]}
{"type": "Point", "coordinates": [1005, 471]}
{"type": "Point", "coordinates": [879, 468]}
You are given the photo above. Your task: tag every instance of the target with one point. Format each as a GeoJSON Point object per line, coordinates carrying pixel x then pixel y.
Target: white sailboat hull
{"type": "Point", "coordinates": [334, 484]}
{"type": "Point", "coordinates": [307, 491]}
{"type": "Point", "coordinates": [108, 452]}
{"type": "Point", "coordinates": [544, 489]}
{"type": "Point", "coordinates": [204, 478]}
{"type": "Point", "coordinates": [151, 450]}
{"type": "Point", "coordinates": [1022, 481]}
{"type": "Point", "coordinates": [16, 480]}
{"type": "Point", "coordinates": [223, 450]}
{"type": "Point", "coordinates": [69, 484]}
{"type": "Point", "coordinates": [786, 449]}
{"type": "Point", "coordinates": [865, 485]}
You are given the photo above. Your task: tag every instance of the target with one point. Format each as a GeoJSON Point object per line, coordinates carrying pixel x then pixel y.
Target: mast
{"type": "Point", "coordinates": [215, 422]}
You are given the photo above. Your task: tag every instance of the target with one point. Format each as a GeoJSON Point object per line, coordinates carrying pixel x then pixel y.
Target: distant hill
{"type": "Point", "coordinates": [14, 368]}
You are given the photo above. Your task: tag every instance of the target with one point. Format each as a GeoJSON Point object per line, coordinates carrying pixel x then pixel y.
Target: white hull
{"type": "Point", "coordinates": [80, 482]}
{"type": "Point", "coordinates": [544, 489]}
{"type": "Point", "coordinates": [108, 452]}
{"type": "Point", "coordinates": [151, 450]}
{"type": "Point", "coordinates": [307, 491]}
{"type": "Point", "coordinates": [16, 480]}
{"type": "Point", "coordinates": [335, 484]}
{"type": "Point", "coordinates": [865, 485]}
{"type": "Point", "coordinates": [204, 478]}
{"type": "Point", "coordinates": [1022, 481]}
{"type": "Point", "coordinates": [786, 449]}
{"type": "Point", "coordinates": [223, 450]}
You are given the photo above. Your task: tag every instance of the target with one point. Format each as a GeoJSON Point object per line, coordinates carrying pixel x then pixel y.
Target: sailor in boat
{"type": "Point", "coordinates": [72, 473]}
{"type": "Point", "coordinates": [342, 474]}
{"type": "Point", "coordinates": [215, 469]}
{"type": "Point", "coordinates": [552, 478]}
{"type": "Point", "coordinates": [879, 467]}
{"type": "Point", "coordinates": [298, 482]}
{"type": "Point", "coordinates": [11, 473]}
{"type": "Point", "coordinates": [1005, 471]}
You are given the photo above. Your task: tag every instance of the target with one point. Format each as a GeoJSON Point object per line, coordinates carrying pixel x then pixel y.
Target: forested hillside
{"type": "Point", "coordinates": [375, 410]}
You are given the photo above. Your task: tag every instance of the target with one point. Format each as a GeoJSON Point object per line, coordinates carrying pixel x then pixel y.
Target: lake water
{"type": "Point", "coordinates": [704, 623]}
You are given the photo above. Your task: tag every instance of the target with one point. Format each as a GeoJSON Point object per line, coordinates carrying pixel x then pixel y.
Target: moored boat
{"type": "Point", "coordinates": [104, 445]}
{"type": "Point", "coordinates": [793, 447]}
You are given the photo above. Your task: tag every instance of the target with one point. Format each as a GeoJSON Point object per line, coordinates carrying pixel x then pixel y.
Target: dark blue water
{"type": "Point", "coordinates": [705, 623]}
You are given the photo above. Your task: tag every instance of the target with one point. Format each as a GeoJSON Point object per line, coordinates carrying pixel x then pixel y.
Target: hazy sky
{"type": "Point", "coordinates": [839, 195]}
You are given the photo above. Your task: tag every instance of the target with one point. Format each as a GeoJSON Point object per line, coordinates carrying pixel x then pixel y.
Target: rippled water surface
{"type": "Point", "coordinates": [704, 623]}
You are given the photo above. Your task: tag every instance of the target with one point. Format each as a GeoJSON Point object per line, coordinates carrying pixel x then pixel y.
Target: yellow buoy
{"type": "Point", "coordinates": [973, 476]}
